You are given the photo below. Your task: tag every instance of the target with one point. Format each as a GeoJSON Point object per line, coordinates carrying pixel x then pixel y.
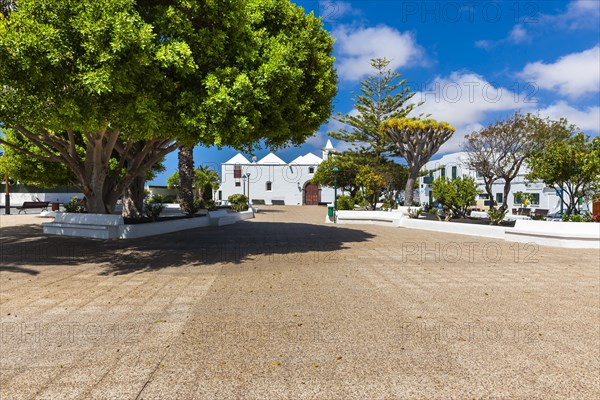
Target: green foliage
{"type": "Point", "coordinates": [414, 213]}
{"type": "Point", "coordinates": [499, 150]}
{"type": "Point", "coordinates": [29, 170]}
{"type": "Point", "coordinates": [415, 141]}
{"type": "Point", "coordinates": [345, 177]}
{"type": "Point", "coordinates": [206, 180]}
{"type": "Point", "coordinates": [371, 181]}
{"type": "Point", "coordinates": [153, 206]}
{"type": "Point", "coordinates": [572, 164]}
{"type": "Point", "coordinates": [383, 96]}
{"type": "Point", "coordinates": [132, 77]}
{"type": "Point", "coordinates": [344, 203]}
{"type": "Point", "coordinates": [496, 216]}
{"type": "Point", "coordinates": [210, 205]}
{"type": "Point", "coordinates": [577, 218]}
{"type": "Point", "coordinates": [238, 202]}
{"type": "Point", "coordinates": [74, 206]}
{"type": "Point", "coordinates": [456, 195]}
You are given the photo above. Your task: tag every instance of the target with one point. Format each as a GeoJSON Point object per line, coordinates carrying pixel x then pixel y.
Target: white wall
{"type": "Point", "coordinates": [17, 199]}
{"type": "Point", "coordinates": [287, 182]}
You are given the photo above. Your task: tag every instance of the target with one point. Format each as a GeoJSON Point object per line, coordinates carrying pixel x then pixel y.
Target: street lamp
{"type": "Point", "coordinates": [248, 176]}
{"type": "Point", "coordinates": [335, 173]}
{"type": "Point", "coordinates": [6, 198]}
{"type": "Point", "coordinates": [244, 177]}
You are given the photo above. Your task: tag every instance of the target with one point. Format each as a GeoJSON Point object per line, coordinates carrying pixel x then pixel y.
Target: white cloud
{"type": "Point", "coordinates": [580, 14]}
{"type": "Point", "coordinates": [587, 120]}
{"type": "Point", "coordinates": [357, 46]}
{"type": "Point", "coordinates": [517, 35]}
{"type": "Point", "coordinates": [465, 100]}
{"type": "Point", "coordinates": [572, 75]}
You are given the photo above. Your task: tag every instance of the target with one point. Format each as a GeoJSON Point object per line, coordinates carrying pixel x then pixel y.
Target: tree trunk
{"type": "Point", "coordinates": [133, 198]}
{"type": "Point", "coordinates": [94, 201]}
{"type": "Point", "coordinates": [410, 188]}
{"type": "Point", "coordinates": [506, 191]}
{"type": "Point", "coordinates": [186, 179]}
{"type": "Point", "coordinates": [489, 189]}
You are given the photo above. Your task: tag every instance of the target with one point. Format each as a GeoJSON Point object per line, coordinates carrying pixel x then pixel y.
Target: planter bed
{"type": "Point", "coordinates": [107, 226]}
{"type": "Point", "coordinates": [470, 220]}
{"type": "Point", "coordinates": [147, 220]}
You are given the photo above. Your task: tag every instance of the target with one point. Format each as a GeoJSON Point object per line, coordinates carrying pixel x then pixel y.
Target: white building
{"type": "Point", "coordinates": [273, 181]}
{"type": "Point", "coordinates": [455, 165]}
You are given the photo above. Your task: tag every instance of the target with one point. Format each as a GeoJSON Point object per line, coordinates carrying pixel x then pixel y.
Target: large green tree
{"type": "Point", "coordinates": [571, 165]}
{"type": "Point", "coordinates": [136, 80]}
{"type": "Point", "coordinates": [499, 150]}
{"type": "Point", "coordinates": [383, 95]}
{"type": "Point", "coordinates": [416, 141]}
{"type": "Point", "coordinates": [274, 82]}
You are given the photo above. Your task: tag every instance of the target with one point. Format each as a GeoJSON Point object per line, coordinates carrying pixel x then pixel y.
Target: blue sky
{"type": "Point", "coordinates": [471, 62]}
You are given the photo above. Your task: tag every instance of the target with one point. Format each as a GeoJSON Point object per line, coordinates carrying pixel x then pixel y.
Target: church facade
{"type": "Point", "coordinates": [271, 180]}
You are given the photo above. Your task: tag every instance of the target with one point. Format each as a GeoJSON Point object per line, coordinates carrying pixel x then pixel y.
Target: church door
{"type": "Point", "coordinates": [311, 194]}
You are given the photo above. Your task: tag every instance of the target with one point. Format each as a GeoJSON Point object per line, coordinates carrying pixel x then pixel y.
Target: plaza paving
{"type": "Point", "coordinates": [287, 307]}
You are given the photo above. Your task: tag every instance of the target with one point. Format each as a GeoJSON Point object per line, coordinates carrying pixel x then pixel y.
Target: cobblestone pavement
{"type": "Point", "coordinates": [287, 307]}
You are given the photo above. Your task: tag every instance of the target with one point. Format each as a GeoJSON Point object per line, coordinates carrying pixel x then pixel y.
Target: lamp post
{"type": "Point", "coordinates": [244, 177]}
{"type": "Point", "coordinates": [248, 176]}
{"type": "Point", "coordinates": [335, 172]}
{"type": "Point", "coordinates": [6, 197]}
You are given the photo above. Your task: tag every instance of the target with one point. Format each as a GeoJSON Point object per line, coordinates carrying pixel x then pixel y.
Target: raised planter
{"type": "Point", "coordinates": [556, 234]}
{"type": "Point", "coordinates": [106, 226]}
{"type": "Point", "coordinates": [575, 235]}
{"type": "Point", "coordinates": [369, 217]}
{"type": "Point", "coordinates": [490, 231]}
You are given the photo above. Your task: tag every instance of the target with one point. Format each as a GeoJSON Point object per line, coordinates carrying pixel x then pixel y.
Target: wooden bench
{"type": "Point", "coordinates": [259, 202]}
{"type": "Point", "coordinates": [541, 212]}
{"type": "Point", "coordinates": [278, 202]}
{"type": "Point", "coordinates": [28, 205]}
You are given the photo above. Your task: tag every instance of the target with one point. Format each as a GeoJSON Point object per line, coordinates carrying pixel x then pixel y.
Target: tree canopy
{"type": "Point", "coordinates": [416, 141]}
{"type": "Point", "coordinates": [88, 82]}
{"type": "Point", "coordinates": [571, 165]}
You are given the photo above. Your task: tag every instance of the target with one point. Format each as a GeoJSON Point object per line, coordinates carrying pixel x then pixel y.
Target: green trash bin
{"type": "Point", "coordinates": [330, 210]}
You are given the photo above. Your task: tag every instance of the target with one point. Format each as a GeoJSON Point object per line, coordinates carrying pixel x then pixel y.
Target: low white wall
{"type": "Point", "coordinates": [575, 235]}
{"type": "Point", "coordinates": [106, 226]}
{"type": "Point", "coordinates": [17, 199]}
{"type": "Point", "coordinates": [135, 231]}
{"type": "Point", "coordinates": [369, 217]}
{"type": "Point", "coordinates": [490, 231]}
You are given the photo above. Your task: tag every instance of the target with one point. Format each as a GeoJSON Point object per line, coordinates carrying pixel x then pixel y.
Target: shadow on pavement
{"type": "Point", "coordinates": [243, 242]}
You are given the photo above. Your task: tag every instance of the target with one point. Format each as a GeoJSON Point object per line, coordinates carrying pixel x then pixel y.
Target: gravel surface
{"type": "Point", "coordinates": [287, 307]}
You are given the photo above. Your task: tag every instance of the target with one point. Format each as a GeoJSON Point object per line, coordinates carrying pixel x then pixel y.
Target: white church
{"type": "Point", "coordinates": [271, 180]}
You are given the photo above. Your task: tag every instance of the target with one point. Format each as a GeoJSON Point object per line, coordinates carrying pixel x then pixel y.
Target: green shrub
{"type": "Point", "coordinates": [414, 213]}
{"type": "Point", "coordinates": [436, 213]}
{"type": "Point", "coordinates": [577, 218]}
{"type": "Point", "coordinates": [153, 206]}
{"type": "Point", "coordinates": [456, 195]}
{"type": "Point", "coordinates": [210, 205]}
{"type": "Point", "coordinates": [496, 216]}
{"type": "Point", "coordinates": [74, 205]}
{"type": "Point", "coordinates": [344, 203]}
{"type": "Point", "coordinates": [238, 202]}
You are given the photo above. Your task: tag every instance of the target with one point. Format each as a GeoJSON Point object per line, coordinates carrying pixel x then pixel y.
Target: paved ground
{"type": "Point", "coordinates": [285, 306]}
